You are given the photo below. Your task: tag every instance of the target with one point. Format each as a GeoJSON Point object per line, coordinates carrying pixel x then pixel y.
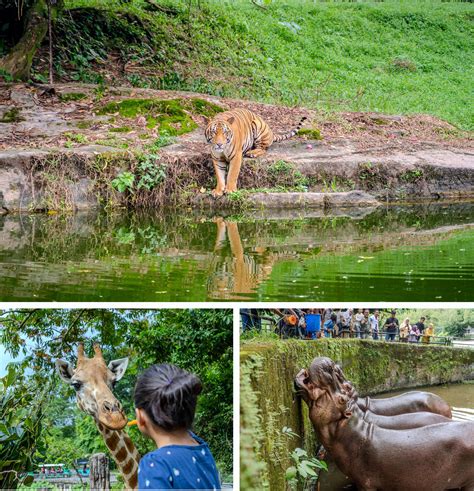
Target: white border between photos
{"type": "Point", "coordinates": [235, 306]}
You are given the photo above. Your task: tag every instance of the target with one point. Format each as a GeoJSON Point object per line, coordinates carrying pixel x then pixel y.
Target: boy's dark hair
{"type": "Point", "coordinates": [168, 395]}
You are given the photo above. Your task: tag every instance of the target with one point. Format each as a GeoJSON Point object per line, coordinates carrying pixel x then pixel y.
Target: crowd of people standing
{"type": "Point", "coordinates": [343, 323]}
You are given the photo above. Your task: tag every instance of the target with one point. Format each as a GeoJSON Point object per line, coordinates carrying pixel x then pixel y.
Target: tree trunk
{"type": "Point", "coordinates": [99, 478]}
{"type": "Point", "coordinates": [18, 62]}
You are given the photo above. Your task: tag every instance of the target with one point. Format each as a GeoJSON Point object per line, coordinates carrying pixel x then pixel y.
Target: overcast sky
{"type": "Point", "coordinates": [5, 358]}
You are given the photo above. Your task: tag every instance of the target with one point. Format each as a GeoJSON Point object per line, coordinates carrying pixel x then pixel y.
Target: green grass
{"type": "Point", "coordinates": [393, 57]}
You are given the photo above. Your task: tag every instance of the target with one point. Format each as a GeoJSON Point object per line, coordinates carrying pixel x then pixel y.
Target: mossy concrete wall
{"type": "Point", "coordinates": [268, 404]}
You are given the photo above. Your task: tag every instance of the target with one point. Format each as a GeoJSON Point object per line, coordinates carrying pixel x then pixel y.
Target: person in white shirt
{"type": "Point", "coordinates": [359, 319]}
{"type": "Point", "coordinates": [374, 325]}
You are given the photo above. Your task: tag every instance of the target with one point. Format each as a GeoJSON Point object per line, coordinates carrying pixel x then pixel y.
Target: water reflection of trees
{"type": "Point", "coordinates": [238, 254]}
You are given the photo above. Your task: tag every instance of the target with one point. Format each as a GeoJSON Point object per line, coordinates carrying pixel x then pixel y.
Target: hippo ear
{"type": "Point", "coordinates": [343, 402]}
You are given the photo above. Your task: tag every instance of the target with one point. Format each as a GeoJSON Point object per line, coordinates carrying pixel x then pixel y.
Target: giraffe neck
{"type": "Point", "coordinates": [124, 453]}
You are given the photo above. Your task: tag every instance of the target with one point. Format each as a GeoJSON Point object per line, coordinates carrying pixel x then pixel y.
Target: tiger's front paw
{"type": "Point", "coordinates": [216, 193]}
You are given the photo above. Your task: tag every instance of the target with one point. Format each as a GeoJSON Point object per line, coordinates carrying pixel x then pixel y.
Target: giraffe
{"type": "Point", "coordinates": [93, 381]}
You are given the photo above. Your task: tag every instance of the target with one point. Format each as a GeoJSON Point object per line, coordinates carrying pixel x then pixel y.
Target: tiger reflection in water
{"type": "Point", "coordinates": [240, 273]}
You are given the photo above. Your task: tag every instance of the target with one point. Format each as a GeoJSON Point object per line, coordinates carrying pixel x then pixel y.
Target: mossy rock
{"type": "Point", "coordinates": [310, 134]}
{"type": "Point", "coordinates": [173, 116]}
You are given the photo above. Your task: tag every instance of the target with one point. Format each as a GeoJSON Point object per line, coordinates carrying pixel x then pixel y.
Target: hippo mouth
{"type": "Point", "coordinates": [299, 385]}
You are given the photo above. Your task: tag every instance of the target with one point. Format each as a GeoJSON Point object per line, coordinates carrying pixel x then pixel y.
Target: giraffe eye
{"type": "Point", "coordinates": [77, 385]}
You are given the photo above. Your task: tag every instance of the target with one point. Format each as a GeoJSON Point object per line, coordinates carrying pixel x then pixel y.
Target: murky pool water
{"type": "Point", "coordinates": [410, 253]}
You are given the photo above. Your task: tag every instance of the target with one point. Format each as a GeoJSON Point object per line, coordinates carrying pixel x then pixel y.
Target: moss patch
{"type": "Point", "coordinates": [310, 134]}
{"type": "Point", "coordinates": [172, 116]}
{"type": "Point", "coordinates": [121, 129]}
{"type": "Point", "coordinates": [11, 116]}
{"type": "Point", "coordinates": [72, 96]}
{"type": "Point", "coordinates": [84, 125]}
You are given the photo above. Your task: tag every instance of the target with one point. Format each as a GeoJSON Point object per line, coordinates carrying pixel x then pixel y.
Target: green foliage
{"type": "Point", "coordinates": [412, 175]}
{"type": "Point", "coordinates": [75, 138]}
{"type": "Point", "coordinates": [150, 171]}
{"type": "Point", "coordinates": [124, 182]}
{"type": "Point", "coordinates": [6, 76]}
{"type": "Point", "coordinates": [169, 115]}
{"type": "Point", "coordinates": [21, 420]}
{"type": "Point", "coordinates": [284, 175]}
{"type": "Point", "coordinates": [303, 471]}
{"type": "Point", "coordinates": [317, 54]}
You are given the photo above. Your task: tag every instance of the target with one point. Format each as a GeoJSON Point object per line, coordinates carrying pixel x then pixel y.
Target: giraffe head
{"type": "Point", "coordinates": [93, 381]}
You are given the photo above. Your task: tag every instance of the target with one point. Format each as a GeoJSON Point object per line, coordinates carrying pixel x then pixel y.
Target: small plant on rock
{"type": "Point", "coordinates": [124, 182]}
{"type": "Point", "coordinates": [304, 471]}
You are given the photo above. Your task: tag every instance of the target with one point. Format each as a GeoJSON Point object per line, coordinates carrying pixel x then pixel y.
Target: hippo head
{"type": "Point", "coordinates": [326, 392]}
{"type": "Point", "coordinates": [325, 373]}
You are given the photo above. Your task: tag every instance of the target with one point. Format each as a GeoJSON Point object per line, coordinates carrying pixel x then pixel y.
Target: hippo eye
{"type": "Point", "coordinates": [77, 385]}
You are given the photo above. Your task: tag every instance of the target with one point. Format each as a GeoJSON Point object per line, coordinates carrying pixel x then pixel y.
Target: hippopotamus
{"type": "Point", "coordinates": [328, 373]}
{"type": "Point", "coordinates": [435, 457]}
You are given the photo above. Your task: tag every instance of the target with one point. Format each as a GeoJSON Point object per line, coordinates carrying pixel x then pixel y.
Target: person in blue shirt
{"type": "Point", "coordinates": [329, 326]}
{"type": "Point", "coordinates": [165, 404]}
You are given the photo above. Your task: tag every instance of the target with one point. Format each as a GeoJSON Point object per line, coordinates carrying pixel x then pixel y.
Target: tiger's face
{"type": "Point", "coordinates": [219, 134]}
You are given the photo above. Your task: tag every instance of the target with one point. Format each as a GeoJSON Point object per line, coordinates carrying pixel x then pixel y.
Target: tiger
{"type": "Point", "coordinates": [233, 135]}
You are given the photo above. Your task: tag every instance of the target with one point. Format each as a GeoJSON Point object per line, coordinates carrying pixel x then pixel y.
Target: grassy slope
{"type": "Point", "coordinates": [394, 57]}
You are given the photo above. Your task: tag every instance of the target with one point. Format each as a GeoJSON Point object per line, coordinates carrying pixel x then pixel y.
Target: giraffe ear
{"type": "Point", "coordinates": [118, 367]}
{"type": "Point", "coordinates": [64, 370]}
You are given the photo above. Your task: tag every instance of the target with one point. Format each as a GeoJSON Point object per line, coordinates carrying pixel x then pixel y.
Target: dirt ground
{"type": "Point", "coordinates": [39, 116]}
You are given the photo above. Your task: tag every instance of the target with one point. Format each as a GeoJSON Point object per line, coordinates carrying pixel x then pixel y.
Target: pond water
{"type": "Point", "coordinates": [394, 253]}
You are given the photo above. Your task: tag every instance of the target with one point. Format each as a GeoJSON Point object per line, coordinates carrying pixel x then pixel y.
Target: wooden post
{"type": "Point", "coordinates": [99, 477]}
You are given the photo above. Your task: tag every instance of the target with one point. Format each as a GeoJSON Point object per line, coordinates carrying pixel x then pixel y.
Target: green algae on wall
{"type": "Point", "coordinates": [268, 403]}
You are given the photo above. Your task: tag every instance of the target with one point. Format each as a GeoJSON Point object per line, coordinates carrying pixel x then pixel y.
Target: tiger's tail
{"type": "Point", "coordinates": [290, 134]}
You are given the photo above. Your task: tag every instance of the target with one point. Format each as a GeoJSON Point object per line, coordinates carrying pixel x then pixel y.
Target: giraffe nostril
{"type": "Point", "coordinates": [107, 406]}
{"type": "Point", "coordinates": [112, 407]}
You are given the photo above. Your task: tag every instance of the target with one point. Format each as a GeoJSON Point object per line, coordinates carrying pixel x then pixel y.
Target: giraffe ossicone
{"type": "Point", "coordinates": [93, 382]}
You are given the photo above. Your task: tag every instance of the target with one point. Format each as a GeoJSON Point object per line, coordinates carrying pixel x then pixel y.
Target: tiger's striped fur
{"type": "Point", "coordinates": [233, 135]}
